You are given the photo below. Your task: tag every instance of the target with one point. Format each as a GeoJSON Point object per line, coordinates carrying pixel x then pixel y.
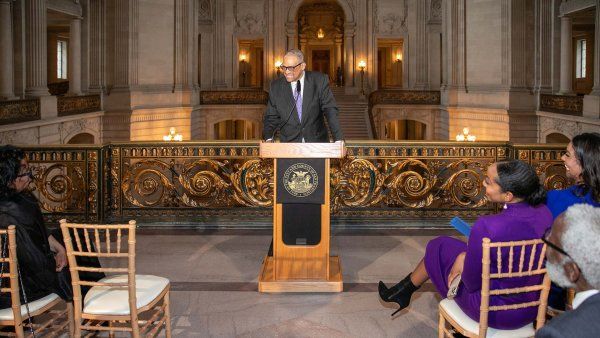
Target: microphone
{"type": "Point", "coordinates": [298, 91]}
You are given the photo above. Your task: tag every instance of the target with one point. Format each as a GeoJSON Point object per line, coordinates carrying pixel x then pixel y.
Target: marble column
{"type": "Point", "coordinates": [184, 41]}
{"type": "Point", "coordinates": [302, 44]}
{"type": "Point", "coordinates": [6, 52]}
{"type": "Point", "coordinates": [566, 56]}
{"type": "Point", "coordinates": [220, 42]}
{"type": "Point", "coordinates": [36, 36]}
{"type": "Point", "coordinates": [543, 46]}
{"type": "Point", "coordinates": [422, 78]}
{"type": "Point", "coordinates": [591, 102]}
{"type": "Point", "coordinates": [97, 46]}
{"type": "Point", "coordinates": [74, 69]}
{"type": "Point", "coordinates": [596, 65]}
{"type": "Point", "coordinates": [349, 66]}
{"type": "Point", "coordinates": [291, 32]}
{"type": "Point", "coordinates": [338, 50]}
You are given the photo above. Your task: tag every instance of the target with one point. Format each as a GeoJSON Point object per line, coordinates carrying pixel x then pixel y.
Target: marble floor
{"type": "Point", "coordinates": [214, 285]}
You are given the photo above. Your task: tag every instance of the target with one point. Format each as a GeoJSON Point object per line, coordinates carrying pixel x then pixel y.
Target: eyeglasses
{"type": "Point", "coordinates": [552, 245]}
{"type": "Point", "coordinates": [290, 68]}
{"type": "Point", "coordinates": [26, 174]}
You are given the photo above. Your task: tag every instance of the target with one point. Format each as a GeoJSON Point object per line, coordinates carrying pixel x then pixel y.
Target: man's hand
{"type": "Point", "coordinates": [457, 267]}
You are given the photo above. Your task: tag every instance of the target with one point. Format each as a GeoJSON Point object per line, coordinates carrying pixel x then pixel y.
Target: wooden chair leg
{"type": "Point", "coordinates": [77, 325]}
{"type": "Point", "coordinates": [441, 326]}
{"type": "Point", "coordinates": [111, 333]}
{"type": "Point", "coordinates": [167, 314]}
{"type": "Point", "coordinates": [71, 319]}
{"type": "Point", "coordinates": [19, 330]}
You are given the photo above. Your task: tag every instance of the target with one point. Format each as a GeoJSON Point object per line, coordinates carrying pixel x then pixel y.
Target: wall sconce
{"type": "Point", "coordinates": [278, 67]}
{"type": "Point", "coordinates": [362, 64]}
{"type": "Point", "coordinates": [243, 60]}
{"type": "Point", "coordinates": [320, 33]}
{"type": "Point", "coordinates": [465, 136]}
{"type": "Point", "coordinates": [398, 57]}
{"type": "Point", "coordinates": [173, 136]}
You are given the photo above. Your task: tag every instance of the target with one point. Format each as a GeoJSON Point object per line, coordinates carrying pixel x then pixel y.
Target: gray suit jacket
{"type": "Point", "coordinates": [317, 103]}
{"type": "Point", "coordinates": [582, 322]}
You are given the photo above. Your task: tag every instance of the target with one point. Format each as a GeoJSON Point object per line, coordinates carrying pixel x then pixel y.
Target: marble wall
{"type": "Point", "coordinates": [58, 130]}
{"type": "Point", "coordinates": [150, 58]}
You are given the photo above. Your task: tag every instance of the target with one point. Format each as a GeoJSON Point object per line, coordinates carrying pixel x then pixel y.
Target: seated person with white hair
{"type": "Point", "coordinates": [573, 261]}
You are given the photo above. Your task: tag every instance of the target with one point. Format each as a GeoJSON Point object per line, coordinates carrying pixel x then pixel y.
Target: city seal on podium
{"type": "Point", "coordinates": [300, 180]}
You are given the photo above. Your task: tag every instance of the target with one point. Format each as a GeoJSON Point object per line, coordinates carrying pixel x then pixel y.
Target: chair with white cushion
{"type": "Point", "coordinates": [138, 304]}
{"type": "Point", "coordinates": [57, 317]}
{"type": "Point", "coordinates": [532, 265]}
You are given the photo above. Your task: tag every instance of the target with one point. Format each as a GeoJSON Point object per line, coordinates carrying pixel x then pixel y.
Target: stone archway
{"type": "Point", "coordinates": [293, 11]}
{"type": "Point", "coordinates": [82, 138]}
{"type": "Point", "coordinates": [347, 38]}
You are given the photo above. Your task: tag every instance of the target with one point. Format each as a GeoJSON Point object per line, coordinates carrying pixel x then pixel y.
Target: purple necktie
{"type": "Point", "coordinates": [298, 98]}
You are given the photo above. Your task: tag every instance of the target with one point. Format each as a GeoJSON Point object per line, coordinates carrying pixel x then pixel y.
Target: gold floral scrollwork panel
{"type": "Point", "coordinates": [66, 182]}
{"type": "Point", "coordinates": [464, 187]}
{"type": "Point", "coordinates": [61, 187]}
{"type": "Point", "coordinates": [252, 181]}
{"type": "Point", "coordinates": [205, 183]}
{"type": "Point", "coordinates": [356, 183]}
{"type": "Point", "coordinates": [15, 111]}
{"type": "Point", "coordinates": [70, 105]}
{"type": "Point", "coordinates": [410, 184]}
{"type": "Point", "coordinates": [564, 104]}
{"type": "Point", "coordinates": [234, 97]}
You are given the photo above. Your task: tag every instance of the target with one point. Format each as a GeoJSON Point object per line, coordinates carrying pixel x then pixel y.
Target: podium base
{"type": "Point", "coordinates": [267, 282]}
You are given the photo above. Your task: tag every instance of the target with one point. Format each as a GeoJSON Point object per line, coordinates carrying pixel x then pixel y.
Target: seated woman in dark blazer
{"type": "Point", "coordinates": [524, 217]}
{"type": "Point", "coordinates": [40, 253]}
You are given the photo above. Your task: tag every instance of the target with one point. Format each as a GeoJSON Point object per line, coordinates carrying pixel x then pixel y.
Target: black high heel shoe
{"type": "Point", "coordinates": [399, 293]}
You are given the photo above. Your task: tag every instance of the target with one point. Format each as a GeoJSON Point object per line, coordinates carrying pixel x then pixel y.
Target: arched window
{"type": "Point", "coordinates": [236, 130]}
{"type": "Point", "coordinates": [405, 130]}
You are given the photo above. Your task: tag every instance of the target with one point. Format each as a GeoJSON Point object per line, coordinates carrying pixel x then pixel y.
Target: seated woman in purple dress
{"type": "Point", "coordinates": [582, 161]}
{"type": "Point", "coordinates": [516, 185]}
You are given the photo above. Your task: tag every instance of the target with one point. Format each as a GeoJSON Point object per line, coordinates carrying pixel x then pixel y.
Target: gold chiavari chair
{"type": "Point", "coordinates": [533, 265]}
{"type": "Point", "coordinates": [55, 317]}
{"type": "Point", "coordinates": [138, 304]}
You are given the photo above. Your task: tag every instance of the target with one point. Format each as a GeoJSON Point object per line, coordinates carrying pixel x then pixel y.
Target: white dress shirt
{"type": "Point", "coordinates": [293, 84]}
{"type": "Point", "coordinates": [580, 297]}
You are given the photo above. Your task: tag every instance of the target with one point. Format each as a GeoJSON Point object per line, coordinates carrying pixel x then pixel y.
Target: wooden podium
{"type": "Point", "coordinates": [301, 268]}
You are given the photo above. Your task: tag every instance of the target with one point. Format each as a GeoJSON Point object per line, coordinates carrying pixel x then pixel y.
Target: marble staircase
{"type": "Point", "coordinates": [353, 115]}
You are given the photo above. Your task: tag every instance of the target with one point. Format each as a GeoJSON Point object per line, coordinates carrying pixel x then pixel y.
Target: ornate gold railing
{"type": "Point", "coordinates": [71, 105]}
{"type": "Point", "coordinates": [68, 181]}
{"type": "Point", "coordinates": [234, 97]}
{"type": "Point", "coordinates": [192, 182]}
{"type": "Point", "coordinates": [58, 88]}
{"type": "Point", "coordinates": [15, 111]}
{"type": "Point", "coordinates": [404, 97]}
{"type": "Point", "coordinates": [563, 104]}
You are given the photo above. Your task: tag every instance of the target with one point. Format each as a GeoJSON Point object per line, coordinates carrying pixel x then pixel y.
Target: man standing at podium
{"type": "Point", "coordinates": [298, 103]}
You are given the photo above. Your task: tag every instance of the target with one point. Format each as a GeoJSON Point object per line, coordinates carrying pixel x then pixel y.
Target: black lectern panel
{"type": "Point", "coordinates": [301, 180]}
{"type": "Point", "coordinates": [301, 224]}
